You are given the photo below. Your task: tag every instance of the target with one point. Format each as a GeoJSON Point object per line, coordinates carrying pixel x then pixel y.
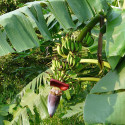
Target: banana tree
{"type": "Point", "coordinates": [105, 102]}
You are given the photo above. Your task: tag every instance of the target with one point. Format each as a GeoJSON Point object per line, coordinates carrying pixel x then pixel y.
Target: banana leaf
{"type": "Point", "coordinates": [115, 34]}
{"type": "Point", "coordinates": [105, 103]}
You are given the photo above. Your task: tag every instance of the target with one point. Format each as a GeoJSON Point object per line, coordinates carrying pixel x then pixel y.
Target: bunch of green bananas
{"type": "Point", "coordinates": [59, 68]}
{"type": "Point", "coordinates": [60, 65]}
{"type": "Point", "coordinates": [58, 74]}
{"type": "Point", "coordinates": [62, 51]}
{"type": "Point", "coordinates": [71, 45]}
{"type": "Point", "coordinates": [88, 40]}
{"type": "Point", "coordinates": [74, 62]}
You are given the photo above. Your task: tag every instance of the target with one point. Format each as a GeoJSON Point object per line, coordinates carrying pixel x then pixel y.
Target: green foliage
{"type": "Point", "coordinates": [62, 15]}
{"type": "Point", "coordinates": [32, 99]}
{"type": "Point", "coordinates": [114, 50]}
{"type": "Point", "coordinates": [78, 108]}
{"type": "Point", "coordinates": [109, 95]}
{"type": "Point", "coordinates": [19, 69]}
{"type": "Point", "coordinates": [18, 33]}
{"type": "Point", "coordinates": [35, 19]}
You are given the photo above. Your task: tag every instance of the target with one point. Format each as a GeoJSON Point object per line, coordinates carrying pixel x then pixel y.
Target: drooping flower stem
{"type": "Point", "coordinates": [88, 79]}
{"type": "Point", "coordinates": [95, 61]}
{"type": "Point", "coordinates": [88, 28]}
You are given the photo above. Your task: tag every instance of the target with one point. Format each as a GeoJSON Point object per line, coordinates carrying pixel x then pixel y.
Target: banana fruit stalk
{"type": "Point", "coordinates": [88, 40]}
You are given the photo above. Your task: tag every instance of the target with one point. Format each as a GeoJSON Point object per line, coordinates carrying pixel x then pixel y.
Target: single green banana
{"type": "Point", "coordinates": [53, 64]}
{"type": "Point", "coordinates": [78, 59]}
{"type": "Point", "coordinates": [79, 67]}
{"type": "Point", "coordinates": [66, 44]}
{"type": "Point", "coordinates": [71, 60]}
{"type": "Point", "coordinates": [67, 66]}
{"type": "Point", "coordinates": [92, 41]}
{"type": "Point", "coordinates": [69, 44]}
{"type": "Point", "coordinates": [68, 58]}
{"type": "Point", "coordinates": [59, 65]}
{"type": "Point", "coordinates": [62, 49]}
{"type": "Point", "coordinates": [72, 46]}
{"type": "Point", "coordinates": [88, 34]}
{"type": "Point", "coordinates": [80, 46]}
{"type": "Point", "coordinates": [59, 50]}
{"type": "Point", "coordinates": [63, 66]}
{"type": "Point", "coordinates": [84, 41]}
{"type": "Point", "coordinates": [62, 74]}
{"type": "Point", "coordinates": [55, 74]}
{"type": "Point", "coordinates": [74, 62]}
{"type": "Point", "coordinates": [76, 46]}
{"type": "Point", "coordinates": [63, 42]}
{"type": "Point", "coordinates": [56, 63]}
{"type": "Point", "coordinates": [65, 51]}
{"type": "Point", "coordinates": [58, 76]}
{"type": "Point", "coordinates": [89, 41]}
{"type": "Point", "coordinates": [77, 64]}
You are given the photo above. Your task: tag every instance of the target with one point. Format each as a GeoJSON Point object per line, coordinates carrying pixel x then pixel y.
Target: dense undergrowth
{"type": "Point", "coordinates": [17, 70]}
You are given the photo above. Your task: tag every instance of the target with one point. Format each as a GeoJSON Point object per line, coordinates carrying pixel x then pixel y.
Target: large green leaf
{"type": "Point", "coordinates": [115, 34]}
{"type": "Point", "coordinates": [81, 9]}
{"type": "Point", "coordinates": [1, 120]}
{"type": "Point", "coordinates": [105, 108]}
{"type": "Point", "coordinates": [114, 80]}
{"type": "Point", "coordinates": [20, 117]}
{"type": "Point", "coordinates": [105, 103]}
{"type": "Point", "coordinates": [4, 46]}
{"type": "Point", "coordinates": [36, 10]}
{"type": "Point", "coordinates": [19, 24]}
{"type": "Point", "coordinates": [29, 101]}
{"type": "Point", "coordinates": [62, 15]}
{"type": "Point", "coordinates": [18, 28]}
{"type": "Point", "coordinates": [4, 109]}
{"type": "Point", "coordinates": [98, 5]}
{"type": "Point", "coordinates": [39, 101]}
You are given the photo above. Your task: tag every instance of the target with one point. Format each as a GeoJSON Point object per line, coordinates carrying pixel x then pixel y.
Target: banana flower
{"type": "Point", "coordinates": [55, 94]}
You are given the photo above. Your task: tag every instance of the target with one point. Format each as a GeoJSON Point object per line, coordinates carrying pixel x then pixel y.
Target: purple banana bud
{"type": "Point", "coordinates": [53, 100]}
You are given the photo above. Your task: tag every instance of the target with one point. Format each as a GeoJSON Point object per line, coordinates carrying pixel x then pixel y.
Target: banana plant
{"type": "Point", "coordinates": [105, 103]}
